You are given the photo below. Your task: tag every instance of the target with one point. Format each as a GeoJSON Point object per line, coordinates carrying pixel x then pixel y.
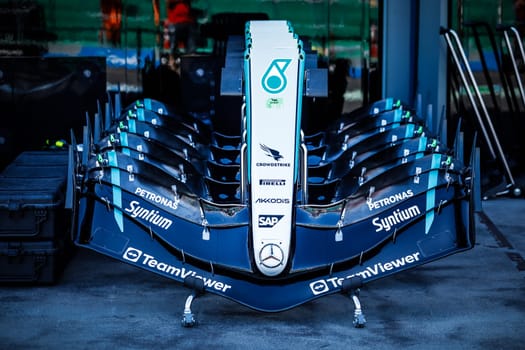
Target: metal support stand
{"type": "Point", "coordinates": [359, 318]}
{"type": "Point", "coordinates": [197, 285]}
{"type": "Point", "coordinates": [188, 318]}
{"type": "Point", "coordinates": [303, 151]}
{"type": "Point", "coordinates": [508, 185]}
{"type": "Point", "coordinates": [351, 286]}
{"type": "Point", "coordinates": [517, 39]}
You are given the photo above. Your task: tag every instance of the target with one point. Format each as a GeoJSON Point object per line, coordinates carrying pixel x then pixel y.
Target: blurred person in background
{"type": "Point", "coordinates": [111, 22]}
{"type": "Point", "coordinates": [180, 27]}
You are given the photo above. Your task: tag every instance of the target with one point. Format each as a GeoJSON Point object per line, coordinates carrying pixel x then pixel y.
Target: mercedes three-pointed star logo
{"type": "Point", "coordinates": [271, 255]}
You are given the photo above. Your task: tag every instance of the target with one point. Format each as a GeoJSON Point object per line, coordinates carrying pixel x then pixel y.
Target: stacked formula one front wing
{"type": "Point", "coordinates": [270, 218]}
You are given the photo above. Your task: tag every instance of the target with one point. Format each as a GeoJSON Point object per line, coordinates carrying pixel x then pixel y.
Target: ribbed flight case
{"type": "Point", "coordinates": [46, 163]}
{"type": "Point", "coordinates": [34, 262]}
{"type": "Point", "coordinates": [32, 208]}
{"type": "Point", "coordinates": [34, 225]}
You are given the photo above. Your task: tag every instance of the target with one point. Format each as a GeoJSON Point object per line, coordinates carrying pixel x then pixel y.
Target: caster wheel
{"type": "Point", "coordinates": [188, 321]}
{"type": "Point", "coordinates": [359, 321]}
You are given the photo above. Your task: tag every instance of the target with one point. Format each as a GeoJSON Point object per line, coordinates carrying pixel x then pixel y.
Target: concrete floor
{"type": "Point", "coordinates": [471, 300]}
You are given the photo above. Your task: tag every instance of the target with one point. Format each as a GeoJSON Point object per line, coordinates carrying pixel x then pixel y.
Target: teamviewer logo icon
{"type": "Point", "coordinates": [319, 287]}
{"type": "Point", "coordinates": [132, 254]}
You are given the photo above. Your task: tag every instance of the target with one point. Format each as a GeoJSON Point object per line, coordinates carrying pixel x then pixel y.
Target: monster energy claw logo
{"type": "Point", "coordinates": [274, 80]}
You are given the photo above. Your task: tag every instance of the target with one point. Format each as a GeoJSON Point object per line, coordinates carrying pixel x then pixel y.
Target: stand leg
{"type": "Point", "coordinates": [359, 318]}
{"type": "Point", "coordinates": [188, 318]}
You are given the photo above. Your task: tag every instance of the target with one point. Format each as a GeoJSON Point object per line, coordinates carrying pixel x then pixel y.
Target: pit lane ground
{"type": "Point", "coordinates": [471, 300]}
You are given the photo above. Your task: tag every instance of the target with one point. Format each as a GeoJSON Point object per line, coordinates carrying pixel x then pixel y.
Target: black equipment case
{"type": "Point", "coordinates": [38, 262]}
{"type": "Point", "coordinates": [34, 225]}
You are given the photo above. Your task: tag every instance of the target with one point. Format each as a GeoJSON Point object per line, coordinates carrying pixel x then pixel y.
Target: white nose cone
{"type": "Point", "coordinates": [273, 93]}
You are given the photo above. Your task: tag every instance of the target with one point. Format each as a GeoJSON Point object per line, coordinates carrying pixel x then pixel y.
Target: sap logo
{"type": "Point", "coordinates": [319, 287]}
{"type": "Point", "coordinates": [132, 254]}
{"type": "Point", "coordinates": [273, 201]}
{"type": "Point", "coordinates": [269, 221]}
{"type": "Point", "coordinates": [270, 152]}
